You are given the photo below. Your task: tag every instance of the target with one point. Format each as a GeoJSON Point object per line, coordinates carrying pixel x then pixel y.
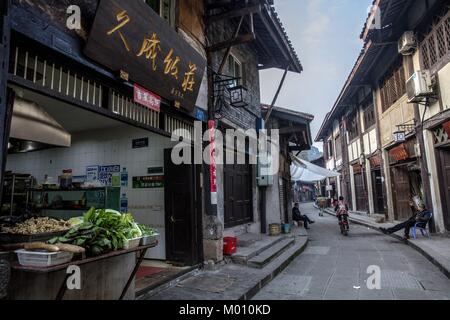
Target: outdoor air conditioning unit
{"type": "Point", "coordinates": [419, 86]}
{"type": "Point", "coordinates": [407, 44]}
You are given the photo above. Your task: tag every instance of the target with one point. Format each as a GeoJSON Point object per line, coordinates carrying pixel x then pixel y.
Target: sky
{"type": "Point", "coordinates": [325, 35]}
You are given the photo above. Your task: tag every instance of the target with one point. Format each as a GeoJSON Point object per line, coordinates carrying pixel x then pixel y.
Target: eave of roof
{"type": "Point", "coordinates": [302, 115]}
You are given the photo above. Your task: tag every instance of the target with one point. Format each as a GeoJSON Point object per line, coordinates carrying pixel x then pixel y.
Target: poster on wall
{"type": "Point", "coordinates": [109, 176]}
{"type": "Point", "coordinates": [148, 182]}
{"type": "Point", "coordinates": [92, 173]}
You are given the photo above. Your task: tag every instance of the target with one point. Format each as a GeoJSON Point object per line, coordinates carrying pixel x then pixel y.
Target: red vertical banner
{"type": "Point", "coordinates": [212, 166]}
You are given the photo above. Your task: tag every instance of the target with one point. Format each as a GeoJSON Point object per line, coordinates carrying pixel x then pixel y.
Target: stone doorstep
{"type": "Point", "coordinates": [244, 254]}
{"type": "Point", "coordinates": [152, 291]}
{"type": "Point", "coordinates": [434, 257]}
{"type": "Point", "coordinates": [261, 260]}
{"type": "Point", "coordinates": [265, 276]}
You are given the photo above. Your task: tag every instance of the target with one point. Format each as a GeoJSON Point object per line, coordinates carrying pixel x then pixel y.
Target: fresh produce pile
{"type": "Point", "coordinates": [147, 231]}
{"type": "Point", "coordinates": [37, 226]}
{"type": "Point", "coordinates": [100, 231]}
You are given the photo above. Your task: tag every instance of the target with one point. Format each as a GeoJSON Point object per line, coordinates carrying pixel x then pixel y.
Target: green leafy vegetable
{"type": "Point", "coordinates": [101, 231]}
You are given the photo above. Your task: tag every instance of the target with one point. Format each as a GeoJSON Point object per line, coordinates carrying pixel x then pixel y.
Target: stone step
{"type": "Point", "coordinates": [244, 254]}
{"type": "Point", "coordinates": [265, 257]}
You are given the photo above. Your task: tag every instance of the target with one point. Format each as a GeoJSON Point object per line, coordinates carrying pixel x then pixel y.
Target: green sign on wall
{"type": "Point", "coordinates": [148, 182]}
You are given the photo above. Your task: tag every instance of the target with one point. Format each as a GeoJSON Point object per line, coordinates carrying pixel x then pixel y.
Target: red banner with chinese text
{"type": "Point", "coordinates": [147, 98]}
{"type": "Point", "coordinates": [212, 166]}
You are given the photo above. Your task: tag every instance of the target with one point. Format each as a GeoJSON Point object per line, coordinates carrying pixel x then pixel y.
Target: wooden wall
{"type": "Point", "coordinates": [191, 18]}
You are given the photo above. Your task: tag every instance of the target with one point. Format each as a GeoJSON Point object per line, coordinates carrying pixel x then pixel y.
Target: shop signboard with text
{"type": "Point", "coordinates": [129, 38]}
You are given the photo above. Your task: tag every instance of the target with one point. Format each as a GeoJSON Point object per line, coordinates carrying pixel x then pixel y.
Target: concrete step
{"type": "Point", "coordinates": [265, 257]}
{"type": "Point", "coordinates": [248, 239]}
{"type": "Point", "coordinates": [244, 254]}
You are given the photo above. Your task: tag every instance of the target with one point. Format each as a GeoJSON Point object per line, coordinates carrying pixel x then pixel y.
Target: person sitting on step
{"type": "Point", "coordinates": [298, 217]}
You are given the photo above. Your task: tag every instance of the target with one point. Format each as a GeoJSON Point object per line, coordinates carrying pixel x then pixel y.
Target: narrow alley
{"type": "Point", "coordinates": [334, 267]}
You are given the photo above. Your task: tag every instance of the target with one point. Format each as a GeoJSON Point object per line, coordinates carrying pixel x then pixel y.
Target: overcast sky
{"type": "Point", "coordinates": [325, 35]}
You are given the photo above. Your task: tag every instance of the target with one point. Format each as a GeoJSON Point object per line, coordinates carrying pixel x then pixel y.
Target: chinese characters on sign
{"type": "Point", "coordinates": [129, 36]}
{"type": "Point", "coordinates": [212, 166]}
{"type": "Point", "coordinates": [149, 182]}
{"type": "Point", "coordinates": [147, 98]}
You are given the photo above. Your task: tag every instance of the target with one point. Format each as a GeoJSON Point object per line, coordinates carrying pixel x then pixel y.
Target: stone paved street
{"type": "Point", "coordinates": [335, 267]}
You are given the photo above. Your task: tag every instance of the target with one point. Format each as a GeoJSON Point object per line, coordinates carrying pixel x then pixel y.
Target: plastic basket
{"type": "Point", "coordinates": [147, 240]}
{"type": "Point", "coordinates": [132, 243]}
{"type": "Point", "coordinates": [43, 258]}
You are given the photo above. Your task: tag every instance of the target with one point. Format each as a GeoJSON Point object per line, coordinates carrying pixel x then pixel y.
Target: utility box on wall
{"type": "Point", "coordinates": [264, 164]}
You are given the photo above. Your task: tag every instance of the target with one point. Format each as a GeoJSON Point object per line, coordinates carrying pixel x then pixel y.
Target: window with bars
{"type": "Point", "coordinates": [330, 148]}
{"type": "Point", "coordinates": [338, 147]}
{"type": "Point", "coordinates": [435, 47]}
{"type": "Point", "coordinates": [393, 86]}
{"type": "Point", "coordinates": [353, 128]}
{"type": "Point", "coordinates": [369, 116]}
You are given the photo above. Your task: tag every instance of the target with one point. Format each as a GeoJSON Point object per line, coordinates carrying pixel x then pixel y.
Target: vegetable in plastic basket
{"type": "Point", "coordinates": [101, 231]}
{"type": "Point", "coordinates": [147, 231]}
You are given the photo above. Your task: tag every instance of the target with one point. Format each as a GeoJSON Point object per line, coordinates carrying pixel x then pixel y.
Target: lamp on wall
{"type": "Point", "coordinates": [239, 97]}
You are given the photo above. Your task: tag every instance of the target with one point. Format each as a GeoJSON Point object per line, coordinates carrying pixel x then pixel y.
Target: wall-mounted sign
{"type": "Point", "coordinates": [129, 36]}
{"type": "Point", "coordinates": [92, 173]}
{"type": "Point", "coordinates": [109, 176]}
{"type": "Point", "coordinates": [140, 143]}
{"type": "Point", "coordinates": [147, 98]}
{"type": "Point", "coordinates": [400, 136]}
{"type": "Point", "coordinates": [446, 127]}
{"type": "Point", "coordinates": [375, 161]}
{"type": "Point", "coordinates": [399, 153]}
{"type": "Point", "coordinates": [200, 114]}
{"type": "Point", "coordinates": [149, 182]}
{"type": "Point", "coordinates": [155, 170]}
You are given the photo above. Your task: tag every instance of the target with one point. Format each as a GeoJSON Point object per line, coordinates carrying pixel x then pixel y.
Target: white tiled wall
{"type": "Point", "coordinates": [112, 146]}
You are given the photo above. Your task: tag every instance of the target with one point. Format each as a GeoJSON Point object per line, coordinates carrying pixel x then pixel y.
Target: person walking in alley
{"type": "Point", "coordinates": [298, 217]}
{"type": "Point", "coordinates": [419, 215]}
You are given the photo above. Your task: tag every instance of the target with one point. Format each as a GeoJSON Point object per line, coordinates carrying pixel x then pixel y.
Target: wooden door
{"type": "Point", "coordinates": [401, 189]}
{"type": "Point", "coordinates": [445, 176]}
{"type": "Point", "coordinates": [181, 214]}
{"type": "Point", "coordinates": [238, 197]}
{"type": "Point", "coordinates": [378, 195]}
{"type": "Point", "coordinates": [360, 193]}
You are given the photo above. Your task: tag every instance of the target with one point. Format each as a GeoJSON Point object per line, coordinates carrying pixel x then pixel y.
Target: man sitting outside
{"type": "Point", "coordinates": [420, 215]}
{"type": "Point", "coordinates": [297, 216]}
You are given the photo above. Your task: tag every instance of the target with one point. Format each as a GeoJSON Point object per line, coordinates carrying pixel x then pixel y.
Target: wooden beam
{"type": "Point", "coordinates": [269, 112]}
{"type": "Point", "coordinates": [239, 40]}
{"type": "Point", "coordinates": [233, 14]}
{"type": "Point", "coordinates": [230, 45]}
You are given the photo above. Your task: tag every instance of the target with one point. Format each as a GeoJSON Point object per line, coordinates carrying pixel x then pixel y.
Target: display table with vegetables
{"type": "Point", "coordinates": [107, 246]}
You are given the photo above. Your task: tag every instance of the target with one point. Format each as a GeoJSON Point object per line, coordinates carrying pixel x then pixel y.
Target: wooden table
{"type": "Point", "coordinates": [142, 250]}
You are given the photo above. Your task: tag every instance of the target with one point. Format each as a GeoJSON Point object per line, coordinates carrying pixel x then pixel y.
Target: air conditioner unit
{"type": "Point", "coordinates": [419, 86]}
{"type": "Point", "coordinates": [407, 44]}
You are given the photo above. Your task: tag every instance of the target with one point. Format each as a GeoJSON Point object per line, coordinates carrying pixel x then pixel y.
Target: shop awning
{"type": "Point", "coordinates": [305, 171]}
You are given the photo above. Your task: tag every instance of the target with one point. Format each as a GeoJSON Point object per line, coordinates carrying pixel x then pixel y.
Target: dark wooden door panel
{"type": "Point", "coordinates": [378, 194]}
{"type": "Point", "coordinates": [360, 192]}
{"type": "Point", "coordinates": [180, 213]}
{"type": "Point", "coordinates": [238, 195]}
{"type": "Point", "coordinates": [445, 167]}
{"type": "Point", "coordinates": [402, 193]}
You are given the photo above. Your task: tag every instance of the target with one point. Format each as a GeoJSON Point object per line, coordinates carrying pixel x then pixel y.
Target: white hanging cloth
{"type": "Point", "coordinates": [305, 171]}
